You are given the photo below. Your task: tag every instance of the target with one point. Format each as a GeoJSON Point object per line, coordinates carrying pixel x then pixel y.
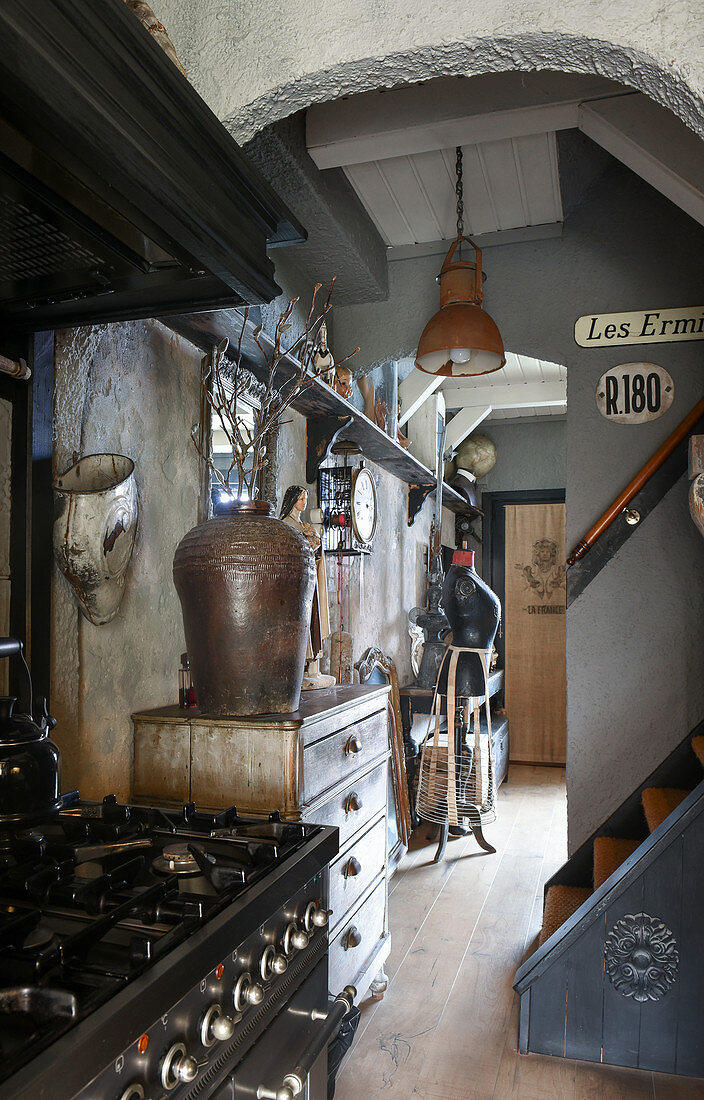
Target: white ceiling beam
{"type": "Point", "coordinates": [513, 395]}
{"type": "Point", "coordinates": [399, 121]}
{"type": "Point", "coordinates": [414, 391]}
{"type": "Point", "coordinates": [653, 143]}
{"type": "Point", "coordinates": [463, 424]}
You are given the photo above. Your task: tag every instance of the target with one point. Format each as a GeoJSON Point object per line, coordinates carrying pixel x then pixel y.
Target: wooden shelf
{"type": "Point", "coordinates": [337, 417]}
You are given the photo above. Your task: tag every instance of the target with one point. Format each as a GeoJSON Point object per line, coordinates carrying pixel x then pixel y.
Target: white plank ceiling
{"type": "Point", "coordinates": [521, 376]}
{"type": "Point", "coordinates": [508, 184]}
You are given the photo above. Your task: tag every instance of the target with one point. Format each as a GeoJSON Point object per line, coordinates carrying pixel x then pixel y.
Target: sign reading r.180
{"type": "Point", "coordinates": [634, 393]}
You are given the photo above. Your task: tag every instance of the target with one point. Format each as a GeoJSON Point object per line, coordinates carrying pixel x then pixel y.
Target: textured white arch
{"type": "Point", "coordinates": [256, 62]}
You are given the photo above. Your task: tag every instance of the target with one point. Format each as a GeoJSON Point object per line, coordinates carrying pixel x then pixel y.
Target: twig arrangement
{"type": "Point", "coordinates": [226, 382]}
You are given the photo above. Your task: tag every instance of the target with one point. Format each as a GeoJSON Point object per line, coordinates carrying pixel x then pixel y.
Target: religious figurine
{"type": "Point", "coordinates": [323, 362]}
{"type": "Point", "coordinates": [343, 381]}
{"type": "Point", "coordinates": [294, 504]}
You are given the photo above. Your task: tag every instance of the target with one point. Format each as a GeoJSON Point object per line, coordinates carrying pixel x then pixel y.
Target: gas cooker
{"type": "Point", "coordinates": [134, 939]}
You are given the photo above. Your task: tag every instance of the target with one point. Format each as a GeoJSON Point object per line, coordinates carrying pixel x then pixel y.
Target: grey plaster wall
{"type": "Point", "coordinates": [134, 389]}
{"type": "Point", "coordinates": [528, 456]}
{"type": "Point", "coordinates": [131, 389]}
{"type": "Point", "coordinates": [624, 248]}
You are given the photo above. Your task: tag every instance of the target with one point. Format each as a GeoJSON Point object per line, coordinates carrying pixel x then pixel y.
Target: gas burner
{"type": "Point", "coordinates": [38, 938]}
{"type": "Point", "coordinates": [175, 859]}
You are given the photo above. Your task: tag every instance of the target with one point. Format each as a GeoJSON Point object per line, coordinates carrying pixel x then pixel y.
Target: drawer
{"type": "Point", "coordinates": [354, 946]}
{"type": "Point", "coordinates": [328, 762]}
{"type": "Point", "coordinates": [352, 808]}
{"type": "Point", "coordinates": [352, 873]}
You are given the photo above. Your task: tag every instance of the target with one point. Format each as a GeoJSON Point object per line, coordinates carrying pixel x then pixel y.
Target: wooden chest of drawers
{"type": "Point", "coordinates": [327, 764]}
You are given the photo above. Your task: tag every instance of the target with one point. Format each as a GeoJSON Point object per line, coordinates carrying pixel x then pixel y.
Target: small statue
{"type": "Point", "coordinates": [400, 437]}
{"type": "Point", "coordinates": [343, 382]}
{"type": "Point", "coordinates": [381, 411]}
{"type": "Point", "coordinates": [294, 504]}
{"type": "Point", "coordinates": [323, 362]}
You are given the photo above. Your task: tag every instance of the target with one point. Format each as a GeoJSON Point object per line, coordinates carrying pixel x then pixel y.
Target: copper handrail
{"type": "Point", "coordinates": [654, 463]}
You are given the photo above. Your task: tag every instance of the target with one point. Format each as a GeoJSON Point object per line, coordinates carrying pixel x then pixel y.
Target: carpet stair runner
{"type": "Point", "coordinates": [610, 852]}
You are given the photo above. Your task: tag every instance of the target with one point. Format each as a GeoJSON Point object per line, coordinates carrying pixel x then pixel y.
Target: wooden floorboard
{"type": "Point", "coordinates": [447, 1028]}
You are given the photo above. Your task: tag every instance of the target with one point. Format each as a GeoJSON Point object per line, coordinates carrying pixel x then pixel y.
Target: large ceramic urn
{"type": "Point", "coordinates": [245, 581]}
{"type": "Point", "coordinates": [473, 611]}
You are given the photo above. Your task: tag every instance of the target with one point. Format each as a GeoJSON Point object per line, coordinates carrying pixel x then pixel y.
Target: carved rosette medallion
{"type": "Point", "coordinates": [641, 955]}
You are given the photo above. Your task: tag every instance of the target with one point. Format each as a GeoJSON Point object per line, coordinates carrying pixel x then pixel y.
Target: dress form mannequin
{"type": "Point", "coordinates": [294, 504]}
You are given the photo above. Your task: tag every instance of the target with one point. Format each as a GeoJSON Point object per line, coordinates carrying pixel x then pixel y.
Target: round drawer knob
{"type": "Point", "coordinates": [353, 803]}
{"type": "Point", "coordinates": [187, 1069]}
{"type": "Point", "coordinates": [353, 938]}
{"type": "Point", "coordinates": [352, 867]}
{"type": "Point", "coordinates": [353, 745]}
{"type": "Point", "coordinates": [246, 992]}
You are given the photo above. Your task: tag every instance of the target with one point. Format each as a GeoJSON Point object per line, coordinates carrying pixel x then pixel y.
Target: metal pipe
{"type": "Point", "coordinates": [652, 465]}
{"type": "Point", "coordinates": [16, 368]}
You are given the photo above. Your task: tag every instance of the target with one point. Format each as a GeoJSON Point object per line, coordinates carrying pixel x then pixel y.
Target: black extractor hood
{"type": "Point", "coordinates": [121, 194]}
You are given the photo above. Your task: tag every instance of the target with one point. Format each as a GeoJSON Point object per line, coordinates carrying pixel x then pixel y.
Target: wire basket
{"type": "Point", "coordinates": [456, 775]}
{"type": "Point", "coordinates": [335, 502]}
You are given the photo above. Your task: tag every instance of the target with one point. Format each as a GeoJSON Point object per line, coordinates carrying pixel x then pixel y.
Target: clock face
{"type": "Point", "coordinates": [364, 505]}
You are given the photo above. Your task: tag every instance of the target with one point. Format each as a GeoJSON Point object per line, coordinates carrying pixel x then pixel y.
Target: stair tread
{"type": "Point", "coordinates": [698, 746]}
{"type": "Point", "coordinates": [560, 903]}
{"type": "Point", "coordinates": [659, 802]}
{"type": "Point", "coordinates": [609, 853]}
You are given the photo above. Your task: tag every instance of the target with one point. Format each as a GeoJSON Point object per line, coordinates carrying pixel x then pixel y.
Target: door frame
{"type": "Point", "coordinates": [494, 541]}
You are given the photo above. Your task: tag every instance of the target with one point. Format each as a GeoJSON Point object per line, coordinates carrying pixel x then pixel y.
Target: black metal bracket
{"type": "Point", "coordinates": [417, 495]}
{"type": "Point", "coordinates": [321, 433]}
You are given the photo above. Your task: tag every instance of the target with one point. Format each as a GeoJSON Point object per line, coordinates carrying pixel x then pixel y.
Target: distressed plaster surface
{"type": "Point", "coordinates": [132, 389]}
{"type": "Point", "coordinates": [257, 63]}
{"type": "Point", "coordinates": [624, 248]}
{"type": "Point", "coordinates": [528, 456]}
{"type": "Point", "coordinates": [326, 204]}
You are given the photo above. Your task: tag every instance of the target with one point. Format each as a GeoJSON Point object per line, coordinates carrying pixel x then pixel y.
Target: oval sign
{"type": "Point", "coordinates": [634, 393]}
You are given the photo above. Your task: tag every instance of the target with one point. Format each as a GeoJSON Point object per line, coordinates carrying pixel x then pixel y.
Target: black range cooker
{"type": "Point", "coordinates": [147, 953]}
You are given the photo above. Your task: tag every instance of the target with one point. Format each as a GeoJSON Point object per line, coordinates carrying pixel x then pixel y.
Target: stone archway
{"type": "Point", "coordinates": [522, 52]}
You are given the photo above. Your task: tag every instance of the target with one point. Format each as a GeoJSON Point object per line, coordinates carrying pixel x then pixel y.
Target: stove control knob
{"type": "Point", "coordinates": [299, 939]}
{"type": "Point", "coordinates": [272, 963]}
{"type": "Point", "coordinates": [295, 939]}
{"type": "Point", "coordinates": [246, 992]}
{"type": "Point", "coordinates": [133, 1092]}
{"type": "Point", "coordinates": [177, 1066]}
{"type": "Point", "coordinates": [187, 1069]}
{"type": "Point", "coordinates": [223, 1028]}
{"type": "Point", "coordinates": [316, 917]}
{"type": "Point", "coordinates": [215, 1026]}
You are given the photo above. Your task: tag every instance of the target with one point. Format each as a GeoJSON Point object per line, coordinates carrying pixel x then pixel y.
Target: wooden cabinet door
{"type": "Point", "coordinates": [535, 632]}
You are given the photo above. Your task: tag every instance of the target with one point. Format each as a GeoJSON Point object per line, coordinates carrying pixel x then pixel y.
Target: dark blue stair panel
{"type": "Point", "coordinates": [621, 1014]}
{"type": "Point", "coordinates": [546, 1008]}
{"type": "Point", "coordinates": [663, 899]}
{"type": "Point", "coordinates": [585, 997]}
{"type": "Point", "coordinates": [623, 981]}
{"type": "Point", "coordinates": [690, 1033]}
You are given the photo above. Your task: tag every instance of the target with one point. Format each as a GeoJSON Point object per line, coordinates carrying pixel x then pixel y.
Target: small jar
{"type": "Point", "coordinates": [186, 690]}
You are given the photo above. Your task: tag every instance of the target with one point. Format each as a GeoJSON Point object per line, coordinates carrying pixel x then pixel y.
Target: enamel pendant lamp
{"type": "Point", "coordinates": [461, 339]}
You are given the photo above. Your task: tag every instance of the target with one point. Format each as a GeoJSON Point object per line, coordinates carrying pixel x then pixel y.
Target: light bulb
{"type": "Point", "coordinates": [460, 355]}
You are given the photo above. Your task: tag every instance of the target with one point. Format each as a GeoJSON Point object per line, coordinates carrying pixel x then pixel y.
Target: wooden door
{"type": "Point", "coordinates": [534, 625]}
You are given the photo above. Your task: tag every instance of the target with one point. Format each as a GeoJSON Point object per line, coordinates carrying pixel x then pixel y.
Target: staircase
{"type": "Point", "coordinates": [619, 970]}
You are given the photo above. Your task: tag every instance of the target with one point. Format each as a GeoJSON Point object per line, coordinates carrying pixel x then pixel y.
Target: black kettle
{"type": "Point", "coordinates": [30, 767]}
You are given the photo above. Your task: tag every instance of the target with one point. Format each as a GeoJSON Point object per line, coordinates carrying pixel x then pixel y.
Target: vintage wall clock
{"type": "Point", "coordinates": [364, 505]}
{"type": "Point", "coordinates": [348, 502]}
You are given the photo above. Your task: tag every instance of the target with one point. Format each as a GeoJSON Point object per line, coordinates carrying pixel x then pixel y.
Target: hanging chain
{"type": "Point", "coordinates": [459, 191]}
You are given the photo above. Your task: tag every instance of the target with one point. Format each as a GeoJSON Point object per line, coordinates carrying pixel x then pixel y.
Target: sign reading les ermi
{"type": "Point", "coordinates": [644, 326]}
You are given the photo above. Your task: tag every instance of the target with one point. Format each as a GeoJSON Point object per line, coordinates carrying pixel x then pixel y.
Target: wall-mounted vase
{"type": "Point", "coordinates": [95, 525]}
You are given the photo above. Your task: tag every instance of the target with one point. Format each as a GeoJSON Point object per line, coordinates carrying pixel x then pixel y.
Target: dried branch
{"type": "Point", "coordinates": [225, 390]}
